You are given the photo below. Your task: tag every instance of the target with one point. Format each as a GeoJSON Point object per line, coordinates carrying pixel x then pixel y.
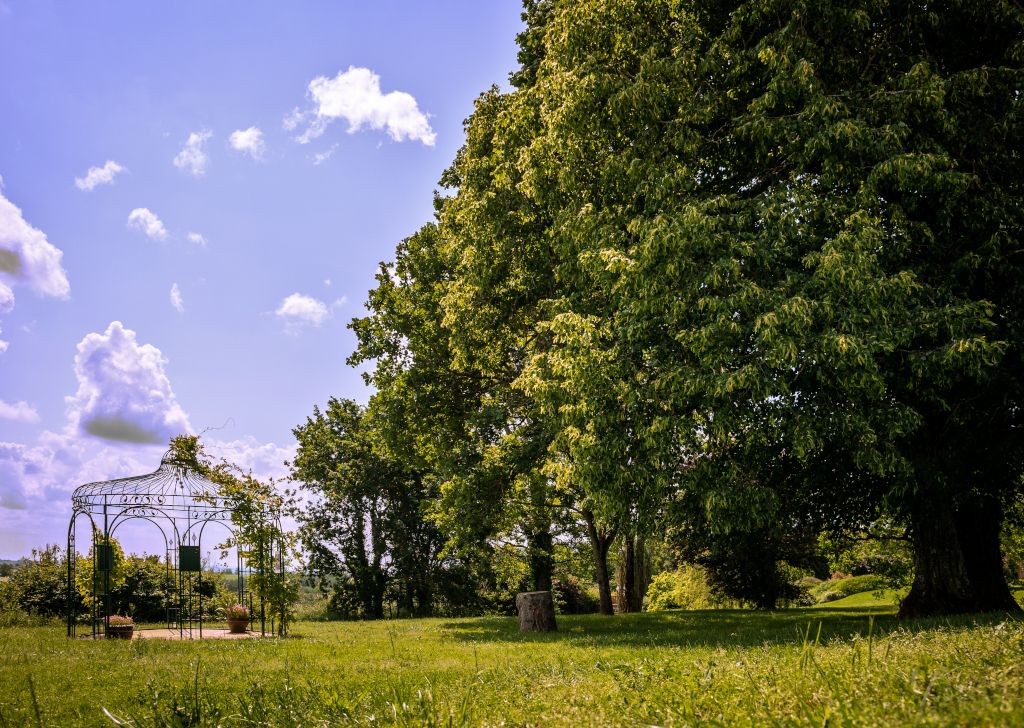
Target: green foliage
{"type": "Point", "coordinates": [572, 597]}
{"type": "Point", "coordinates": [36, 587]}
{"type": "Point", "coordinates": [686, 587]}
{"type": "Point", "coordinates": [366, 525]}
{"type": "Point", "coordinates": [833, 589]}
{"type": "Point", "coordinates": [256, 509]}
{"type": "Point", "coordinates": [880, 552]}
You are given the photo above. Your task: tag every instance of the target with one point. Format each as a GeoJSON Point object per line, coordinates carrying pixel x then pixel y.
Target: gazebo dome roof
{"type": "Point", "coordinates": [171, 487]}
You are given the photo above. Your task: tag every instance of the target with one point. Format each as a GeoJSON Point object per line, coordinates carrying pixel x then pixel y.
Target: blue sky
{"type": "Point", "coordinates": [195, 197]}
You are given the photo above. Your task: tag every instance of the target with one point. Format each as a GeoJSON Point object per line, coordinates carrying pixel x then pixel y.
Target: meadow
{"type": "Point", "coordinates": [840, 665]}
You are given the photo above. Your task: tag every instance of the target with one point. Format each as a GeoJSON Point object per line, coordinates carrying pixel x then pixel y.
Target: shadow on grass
{"type": "Point", "coordinates": [711, 628]}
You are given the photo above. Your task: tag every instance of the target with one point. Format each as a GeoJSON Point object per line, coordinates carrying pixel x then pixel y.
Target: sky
{"type": "Point", "coordinates": [194, 199]}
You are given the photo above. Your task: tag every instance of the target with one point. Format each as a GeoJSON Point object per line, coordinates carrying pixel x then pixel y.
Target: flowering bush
{"type": "Point", "coordinates": [119, 620]}
{"type": "Point", "coordinates": [236, 611]}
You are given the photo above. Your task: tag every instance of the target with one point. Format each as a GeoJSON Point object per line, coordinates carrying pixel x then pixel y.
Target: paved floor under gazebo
{"type": "Point", "coordinates": [174, 634]}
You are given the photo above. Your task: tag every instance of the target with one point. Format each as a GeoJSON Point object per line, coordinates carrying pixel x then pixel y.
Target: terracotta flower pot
{"type": "Point", "coordinates": [120, 632]}
{"type": "Point", "coordinates": [238, 626]}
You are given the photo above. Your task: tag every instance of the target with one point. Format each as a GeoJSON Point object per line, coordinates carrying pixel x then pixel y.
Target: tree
{"type": "Point", "coordinates": [802, 215]}
{"type": "Point", "coordinates": [365, 526]}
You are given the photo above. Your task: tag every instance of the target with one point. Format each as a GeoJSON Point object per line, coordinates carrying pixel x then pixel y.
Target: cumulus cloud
{"type": "Point", "coordinates": [97, 176]}
{"type": "Point", "coordinates": [248, 141]}
{"type": "Point", "coordinates": [143, 220]}
{"type": "Point", "coordinates": [299, 310]}
{"type": "Point", "coordinates": [176, 300]}
{"type": "Point", "coordinates": [192, 158]}
{"type": "Point", "coordinates": [196, 238]}
{"type": "Point", "coordinates": [47, 471]}
{"type": "Point", "coordinates": [123, 393]}
{"type": "Point", "coordinates": [355, 96]}
{"type": "Point", "coordinates": [27, 257]}
{"type": "Point", "coordinates": [19, 412]}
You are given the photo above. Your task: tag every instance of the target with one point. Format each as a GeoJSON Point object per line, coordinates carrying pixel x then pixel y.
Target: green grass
{"type": "Point", "coordinates": [883, 600]}
{"type": "Point", "coordinates": [835, 666]}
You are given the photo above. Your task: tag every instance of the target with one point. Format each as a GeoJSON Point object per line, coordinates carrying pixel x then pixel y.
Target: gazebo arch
{"type": "Point", "coordinates": [181, 503]}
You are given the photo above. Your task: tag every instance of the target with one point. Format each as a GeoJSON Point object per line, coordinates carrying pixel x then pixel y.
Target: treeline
{"type": "Point", "coordinates": [723, 277]}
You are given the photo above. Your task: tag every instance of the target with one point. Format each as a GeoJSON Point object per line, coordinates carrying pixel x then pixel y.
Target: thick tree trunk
{"type": "Point", "coordinates": [536, 611]}
{"type": "Point", "coordinates": [978, 525]}
{"type": "Point", "coordinates": [600, 542]}
{"type": "Point", "coordinates": [957, 561]}
{"type": "Point", "coordinates": [941, 585]}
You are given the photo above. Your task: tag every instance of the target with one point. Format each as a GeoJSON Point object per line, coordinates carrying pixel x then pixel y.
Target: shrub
{"type": "Point", "coordinates": [835, 589]}
{"type": "Point", "coordinates": [685, 588]}
{"type": "Point", "coordinates": [571, 597]}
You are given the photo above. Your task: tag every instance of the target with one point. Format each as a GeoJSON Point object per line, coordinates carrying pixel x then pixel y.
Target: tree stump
{"type": "Point", "coordinates": [536, 612]}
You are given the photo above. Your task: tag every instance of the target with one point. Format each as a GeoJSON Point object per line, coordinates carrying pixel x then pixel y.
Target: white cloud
{"type": "Point", "coordinates": [321, 157]}
{"type": "Point", "coordinates": [176, 300]}
{"type": "Point", "coordinates": [6, 298]}
{"type": "Point", "coordinates": [19, 412]}
{"type": "Point", "coordinates": [192, 158]}
{"type": "Point", "coordinates": [264, 459]}
{"type": "Point", "coordinates": [143, 220]}
{"type": "Point", "coordinates": [248, 141]}
{"type": "Point", "coordinates": [123, 391]}
{"type": "Point", "coordinates": [26, 256]}
{"type": "Point", "coordinates": [196, 238]}
{"type": "Point", "coordinates": [355, 96]}
{"type": "Point", "coordinates": [292, 119]}
{"type": "Point", "coordinates": [47, 472]}
{"type": "Point", "coordinates": [99, 176]}
{"type": "Point", "coordinates": [299, 310]}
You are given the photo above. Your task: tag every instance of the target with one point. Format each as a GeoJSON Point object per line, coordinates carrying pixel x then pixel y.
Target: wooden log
{"type": "Point", "coordinates": [536, 611]}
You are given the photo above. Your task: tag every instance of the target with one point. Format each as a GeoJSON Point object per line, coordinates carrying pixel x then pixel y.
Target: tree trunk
{"type": "Point", "coordinates": [626, 576]}
{"type": "Point", "coordinates": [600, 542]}
{"type": "Point", "coordinates": [941, 585]}
{"type": "Point", "coordinates": [978, 525]}
{"type": "Point", "coordinates": [957, 561]}
{"type": "Point", "coordinates": [542, 558]}
{"type": "Point", "coordinates": [536, 611]}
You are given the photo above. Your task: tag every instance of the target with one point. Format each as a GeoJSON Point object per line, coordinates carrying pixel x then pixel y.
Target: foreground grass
{"type": "Point", "coordinates": [853, 666]}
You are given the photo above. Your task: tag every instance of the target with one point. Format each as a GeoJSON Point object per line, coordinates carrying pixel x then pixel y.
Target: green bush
{"type": "Point", "coordinates": [833, 589]}
{"type": "Point", "coordinates": [571, 597]}
{"type": "Point", "coordinates": [685, 588]}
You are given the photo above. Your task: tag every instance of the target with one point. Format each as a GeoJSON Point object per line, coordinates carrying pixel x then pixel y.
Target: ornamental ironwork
{"type": "Point", "coordinates": [180, 503]}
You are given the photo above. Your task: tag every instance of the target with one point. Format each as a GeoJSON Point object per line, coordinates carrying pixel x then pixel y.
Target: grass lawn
{"type": "Point", "coordinates": [800, 666]}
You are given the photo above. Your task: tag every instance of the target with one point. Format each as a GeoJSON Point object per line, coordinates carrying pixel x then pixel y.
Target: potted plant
{"type": "Point", "coordinates": [238, 618]}
{"type": "Point", "coordinates": [120, 627]}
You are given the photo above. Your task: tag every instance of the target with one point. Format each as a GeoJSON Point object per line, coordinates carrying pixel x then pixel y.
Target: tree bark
{"type": "Point", "coordinates": [536, 611]}
{"type": "Point", "coordinates": [978, 525]}
{"type": "Point", "coordinates": [542, 558]}
{"type": "Point", "coordinates": [957, 561]}
{"type": "Point", "coordinates": [600, 542]}
{"type": "Point", "coordinates": [628, 575]}
{"type": "Point", "coordinates": [941, 585]}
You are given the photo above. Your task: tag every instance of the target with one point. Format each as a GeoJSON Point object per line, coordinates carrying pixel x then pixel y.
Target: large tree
{"type": "Point", "coordinates": [806, 218]}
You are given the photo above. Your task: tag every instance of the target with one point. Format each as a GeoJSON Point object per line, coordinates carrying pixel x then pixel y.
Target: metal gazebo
{"type": "Point", "coordinates": [181, 503]}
